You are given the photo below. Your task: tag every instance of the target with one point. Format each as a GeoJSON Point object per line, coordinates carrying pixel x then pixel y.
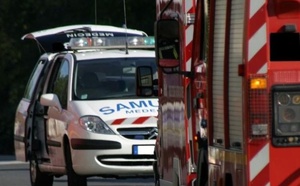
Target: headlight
{"type": "Point", "coordinates": [94, 124]}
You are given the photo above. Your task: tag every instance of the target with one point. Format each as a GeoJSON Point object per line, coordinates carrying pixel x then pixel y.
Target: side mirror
{"type": "Point", "coordinates": [144, 81]}
{"type": "Point", "coordinates": [167, 43]}
{"type": "Point", "coordinates": [51, 100]}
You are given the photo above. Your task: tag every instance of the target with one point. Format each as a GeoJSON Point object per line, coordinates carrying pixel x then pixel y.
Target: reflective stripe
{"type": "Point", "coordinates": [188, 5]}
{"type": "Point", "coordinates": [257, 61]}
{"type": "Point", "coordinates": [140, 120]}
{"type": "Point", "coordinates": [257, 41]}
{"type": "Point", "coordinates": [189, 34]}
{"type": "Point", "coordinates": [259, 161]}
{"type": "Point", "coordinates": [255, 5]}
{"type": "Point", "coordinates": [263, 69]}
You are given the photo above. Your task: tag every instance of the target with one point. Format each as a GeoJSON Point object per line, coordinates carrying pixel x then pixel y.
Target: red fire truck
{"type": "Point", "coordinates": [176, 147]}
{"type": "Point", "coordinates": [229, 72]}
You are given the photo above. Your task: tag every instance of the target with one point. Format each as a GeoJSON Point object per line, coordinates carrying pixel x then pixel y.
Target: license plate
{"type": "Point", "coordinates": [143, 149]}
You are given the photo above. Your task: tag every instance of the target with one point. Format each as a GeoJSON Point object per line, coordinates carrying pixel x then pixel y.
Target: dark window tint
{"type": "Point", "coordinates": [33, 79]}
{"type": "Point", "coordinates": [61, 83]}
{"type": "Point", "coordinates": [284, 47]}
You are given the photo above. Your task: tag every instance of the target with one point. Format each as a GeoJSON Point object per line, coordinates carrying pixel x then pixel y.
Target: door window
{"type": "Point", "coordinates": [59, 82]}
{"type": "Point", "coordinates": [33, 79]}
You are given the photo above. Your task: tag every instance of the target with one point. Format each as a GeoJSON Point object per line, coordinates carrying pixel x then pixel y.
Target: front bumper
{"type": "Point", "coordinates": [113, 158]}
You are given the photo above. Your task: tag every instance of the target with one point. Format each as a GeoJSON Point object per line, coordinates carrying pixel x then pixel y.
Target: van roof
{"type": "Point", "coordinates": [46, 39]}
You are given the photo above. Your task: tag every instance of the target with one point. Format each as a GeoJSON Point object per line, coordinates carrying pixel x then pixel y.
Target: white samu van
{"type": "Point", "coordinates": [79, 115]}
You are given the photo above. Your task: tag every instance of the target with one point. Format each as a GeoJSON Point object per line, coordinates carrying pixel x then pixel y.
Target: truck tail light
{"type": "Point", "coordinates": [258, 107]}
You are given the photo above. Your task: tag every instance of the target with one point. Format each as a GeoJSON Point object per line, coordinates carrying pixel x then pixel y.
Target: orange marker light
{"type": "Point", "coordinates": [258, 83]}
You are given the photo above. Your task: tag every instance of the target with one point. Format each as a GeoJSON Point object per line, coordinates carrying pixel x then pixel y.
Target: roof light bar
{"type": "Point", "coordinates": [110, 42]}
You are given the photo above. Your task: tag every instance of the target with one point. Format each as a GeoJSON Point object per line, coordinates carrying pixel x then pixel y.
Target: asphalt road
{"type": "Point", "coordinates": [14, 173]}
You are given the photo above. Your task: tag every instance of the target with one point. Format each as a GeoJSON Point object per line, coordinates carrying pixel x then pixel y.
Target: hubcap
{"type": "Point", "coordinates": [33, 170]}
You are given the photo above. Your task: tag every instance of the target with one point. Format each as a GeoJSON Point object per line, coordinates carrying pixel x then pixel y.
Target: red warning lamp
{"type": "Point", "coordinates": [287, 9]}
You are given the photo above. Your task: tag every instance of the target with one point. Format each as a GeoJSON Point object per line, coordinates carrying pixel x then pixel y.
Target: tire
{"type": "Point", "coordinates": [38, 178]}
{"type": "Point", "coordinates": [156, 175]}
{"type": "Point", "coordinates": [202, 167]}
{"type": "Point", "coordinates": [176, 183]}
{"type": "Point", "coordinates": [73, 178]}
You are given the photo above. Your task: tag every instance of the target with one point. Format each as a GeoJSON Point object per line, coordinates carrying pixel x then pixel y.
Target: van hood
{"type": "Point", "coordinates": [121, 111]}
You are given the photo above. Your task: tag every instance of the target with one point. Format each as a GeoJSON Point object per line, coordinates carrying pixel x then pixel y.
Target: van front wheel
{"type": "Point", "coordinates": [38, 178]}
{"type": "Point", "coordinates": [73, 178]}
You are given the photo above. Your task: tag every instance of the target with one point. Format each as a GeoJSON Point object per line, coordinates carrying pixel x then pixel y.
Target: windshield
{"type": "Point", "coordinates": [108, 78]}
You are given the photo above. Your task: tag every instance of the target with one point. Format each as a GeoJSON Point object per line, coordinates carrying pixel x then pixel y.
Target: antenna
{"type": "Point", "coordinates": [95, 11]}
{"type": "Point", "coordinates": [125, 24]}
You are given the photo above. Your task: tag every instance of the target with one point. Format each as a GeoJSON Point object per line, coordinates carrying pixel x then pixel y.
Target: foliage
{"type": "Point", "coordinates": [17, 58]}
